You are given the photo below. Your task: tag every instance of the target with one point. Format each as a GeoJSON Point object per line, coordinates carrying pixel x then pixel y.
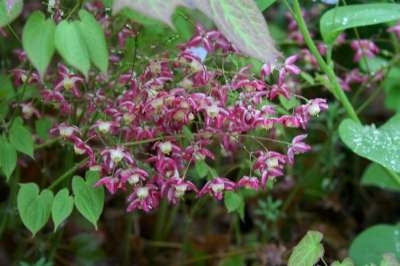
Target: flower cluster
{"type": "Point", "coordinates": [148, 129]}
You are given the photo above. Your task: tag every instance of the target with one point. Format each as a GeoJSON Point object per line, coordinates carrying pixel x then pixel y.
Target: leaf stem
{"type": "Point", "coordinates": [68, 173]}
{"type": "Point", "coordinates": [335, 88]}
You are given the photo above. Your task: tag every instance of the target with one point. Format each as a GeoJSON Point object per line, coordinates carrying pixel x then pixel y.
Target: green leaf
{"type": "Point", "coordinates": [389, 259]}
{"type": "Point", "coordinates": [88, 200]}
{"type": "Point", "coordinates": [338, 19]}
{"type": "Point", "coordinates": [21, 138]}
{"type": "Point", "coordinates": [93, 35]}
{"type": "Point", "coordinates": [244, 25]}
{"type": "Point", "coordinates": [42, 127]}
{"type": "Point", "coordinates": [379, 145]}
{"type": "Point", "coordinates": [345, 262]}
{"type": "Point", "coordinates": [9, 10]}
{"type": "Point", "coordinates": [264, 4]}
{"type": "Point", "coordinates": [38, 40]}
{"type": "Point", "coordinates": [392, 89]}
{"type": "Point", "coordinates": [161, 10]}
{"type": "Point", "coordinates": [63, 205]}
{"type": "Point", "coordinates": [371, 244]}
{"type": "Point", "coordinates": [376, 175]}
{"type": "Point", "coordinates": [6, 88]}
{"type": "Point", "coordinates": [308, 251]}
{"type": "Point", "coordinates": [34, 208]}
{"type": "Point", "coordinates": [201, 168]}
{"type": "Point", "coordinates": [8, 157]}
{"type": "Point", "coordinates": [234, 203]}
{"type": "Point", "coordinates": [72, 46]}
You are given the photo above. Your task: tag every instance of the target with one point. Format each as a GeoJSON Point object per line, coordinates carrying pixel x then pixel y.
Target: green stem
{"type": "Point", "coordinates": [335, 86]}
{"type": "Point", "coordinates": [127, 238]}
{"type": "Point", "coordinates": [67, 173]}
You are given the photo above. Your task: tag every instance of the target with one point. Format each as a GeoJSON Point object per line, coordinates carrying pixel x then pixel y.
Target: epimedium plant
{"type": "Point", "coordinates": [171, 112]}
{"type": "Point", "coordinates": [160, 124]}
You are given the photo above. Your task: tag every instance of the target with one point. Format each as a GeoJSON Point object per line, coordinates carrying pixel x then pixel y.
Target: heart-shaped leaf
{"type": "Point", "coordinates": [234, 203]}
{"type": "Point", "coordinates": [34, 208]}
{"type": "Point", "coordinates": [379, 145]}
{"type": "Point", "coordinates": [8, 157]}
{"type": "Point", "coordinates": [389, 259]}
{"type": "Point", "coordinates": [88, 200]}
{"type": "Point", "coordinates": [244, 25]}
{"type": "Point", "coordinates": [159, 9]}
{"type": "Point", "coordinates": [376, 175]}
{"type": "Point", "coordinates": [338, 19]}
{"type": "Point", "coordinates": [63, 205]}
{"type": "Point", "coordinates": [264, 4]}
{"type": "Point", "coordinates": [345, 262]}
{"type": "Point", "coordinates": [371, 244]}
{"type": "Point", "coordinates": [308, 251]}
{"type": "Point", "coordinates": [38, 40]}
{"type": "Point", "coordinates": [9, 10]}
{"type": "Point", "coordinates": [21, 138]}
{"type": "Point", "coordinates": [95, 40]}
{"type": "Point", "coordinates": [72, 46]}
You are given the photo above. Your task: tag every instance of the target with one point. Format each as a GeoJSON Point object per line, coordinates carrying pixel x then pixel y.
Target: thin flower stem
{"type": "Point", "coordinates": [335, 86]}
{"type": "Point", "coordinates": [68, 173]}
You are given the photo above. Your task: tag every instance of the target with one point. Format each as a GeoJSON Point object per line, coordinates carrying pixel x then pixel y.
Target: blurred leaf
{"type": "Point", "coordinates": [376, 175]}
{"type": "Point", "coordinates": [371, 244]}
{"type": "Point", "coordinates": [8, 157]}
{"type": "Point", "coordinates": [244, 25]}
{"type": "Point", "coordinates": [158, 9]}
{"type": "Point", "coordinates": [62, 207]}
{"type": "Point", "coordinates": [88, 200]}
{"type": "Point", "coordinates": [379, 145]}
{"type": "Point", "coordinates": [234, 203]}
{"type": "Point", "coordinates": [34, 208]}
{"type": "Point", "coordinates": [72, 46]}
{"type": "Point", "coordinates": [391, 86]}
{"type": "Point", "coordinates": [233, 261]}
{"type": "Point", "coordinates": [9, 10]}
{"type": "Point", "coordinates": [389, 260]}
{"type": "Point", "coordinates": [42, 127]}
{"type": "Point", "coordinates": [38, 40]}
{"type": "Point", "coordinates": [21, 138]}
{"type": "Point", "coordinates": [93, 35]}
{"type": "Point", "coordinates": [201, 168]}
{"type": "Point", "coordinates": [308, 251]}
{"type": "Point", "coordinates": [264, 4]}
{"type": "Point", "coordinates": [345, 262]}
{"type": "Point", "coordinates": [338, 19]}
{"type": "Point", "coordinates": [373, 65]}
{"type": "Point", "coordinates": [6, 88]}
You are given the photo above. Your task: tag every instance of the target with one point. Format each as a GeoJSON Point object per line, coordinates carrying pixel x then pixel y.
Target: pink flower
{"type": "Point", "coordinates": [65, 131]}
{"type": "Point", "coordinates": [364, 48]}
{"type": "Point", "coordinates": [216, 187]}
{"type": "Point", "coordinates": [395, 29]}
{"type": "Point", "coordinates": [297, 146]}
{"type": "Point", "coordinates": [114, 156]}
{"type": "Point", "coordinates": [249, 182]}
{"type": "Point", "coordinates": [145, 198]}
{"type": "Point", "coordinates": [174, 189]}
{"type": "Point", "coordinates": [67, 81]}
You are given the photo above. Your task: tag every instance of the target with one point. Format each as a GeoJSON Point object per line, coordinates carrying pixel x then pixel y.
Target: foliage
{"type": "Point", "coordinates": [176, 129]}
